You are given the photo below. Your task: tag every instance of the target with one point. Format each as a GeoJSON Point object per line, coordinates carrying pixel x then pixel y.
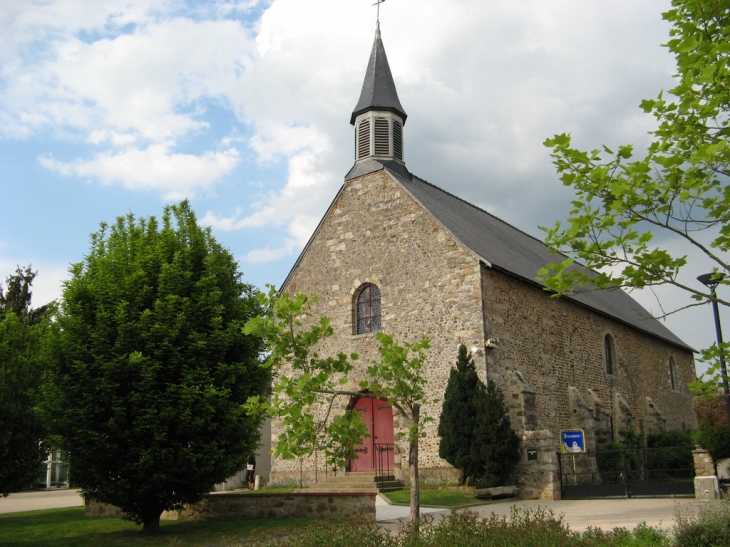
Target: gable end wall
{"type": "Point", "coordinates": [430, 286]}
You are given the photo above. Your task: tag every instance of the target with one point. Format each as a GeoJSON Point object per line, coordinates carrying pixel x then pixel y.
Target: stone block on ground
{"type": "Point", "coordinates": [495, 493]}
{"type": "Point", "coordinates": [707, 488]}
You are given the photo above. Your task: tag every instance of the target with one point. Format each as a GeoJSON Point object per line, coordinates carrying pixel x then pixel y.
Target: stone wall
{"type": "Point", "coordinates": [430, 286]}
{"type": "Point", "coordinates": [556, 343]}
{"type": "Point", "coordinates": [704, 466]}
{"type": "Point", "coordinates": [346, 506]}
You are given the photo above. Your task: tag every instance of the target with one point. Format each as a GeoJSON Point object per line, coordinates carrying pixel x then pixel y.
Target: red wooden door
{"type": "Point", "coordinates": [377, 416]}
{"type": "Point", "coordinates": [364, 451]}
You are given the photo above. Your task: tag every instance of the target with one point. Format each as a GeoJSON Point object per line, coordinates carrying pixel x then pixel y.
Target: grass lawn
{"type": "Point", "coordinates": [437, 498]}
{"type": "Point", "coordinates": [70, 528]}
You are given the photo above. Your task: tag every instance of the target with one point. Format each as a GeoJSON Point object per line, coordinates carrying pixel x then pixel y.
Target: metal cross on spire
{"type": "Point", "coordinates": [377, 3]}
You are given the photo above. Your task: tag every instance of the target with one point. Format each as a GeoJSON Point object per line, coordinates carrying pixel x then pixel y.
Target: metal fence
{"type": "Point", "coordinates": [639, 472]}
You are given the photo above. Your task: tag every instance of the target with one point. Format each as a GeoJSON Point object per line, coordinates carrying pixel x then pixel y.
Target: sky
{"type": "Point", "coordinates": [243, 107]}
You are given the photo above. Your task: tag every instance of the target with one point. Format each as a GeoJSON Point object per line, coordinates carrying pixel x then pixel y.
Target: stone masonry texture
{"type": "Point", "coordinates": [431, 285]}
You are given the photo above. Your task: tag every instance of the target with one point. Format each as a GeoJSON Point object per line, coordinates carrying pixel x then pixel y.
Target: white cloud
{"type": "Point", "coordinates": [299, 204]}
{"type": "Point", "coordinates": [133, 95]}
{"type": "Point", "coordinates": [175, 176]}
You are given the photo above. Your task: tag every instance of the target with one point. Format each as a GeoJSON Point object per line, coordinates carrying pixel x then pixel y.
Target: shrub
{"type": "Point", "coordinates": [671, 459]}
{"type": "Point", "coordinates": [714, 438]}
{"type": "Point", "coordinates": [523, 528]}
{"type": "Point", "coordinates": [708, 527]}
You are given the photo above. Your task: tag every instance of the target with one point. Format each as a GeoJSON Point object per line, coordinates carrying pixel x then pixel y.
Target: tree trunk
{"type": "Point", "coordinates": [151, 523]}
{"type": "Point", "coordinates": [413, 468]}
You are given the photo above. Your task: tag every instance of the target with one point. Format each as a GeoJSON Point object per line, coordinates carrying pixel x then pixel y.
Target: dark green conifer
{"type": "Point", "coordinates": [495, 444]}
{"type": "Point", "coordinates": [475, 431]}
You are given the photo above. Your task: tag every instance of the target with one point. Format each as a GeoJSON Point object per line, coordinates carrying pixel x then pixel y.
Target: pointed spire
{"type": "Point", "coordinates": [378, 89]}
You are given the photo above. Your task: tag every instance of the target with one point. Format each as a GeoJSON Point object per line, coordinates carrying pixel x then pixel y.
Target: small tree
{"type": "Point", "coordinates": [152, 367]}
{"type": "Point", "coordinates": [476, 435]}
{"type": "Point", "coordinates": [22, 430]}
{"type": "Point", "coordinates": [459, 416]}
{"type": "Point", "coordinates": [306, 385]}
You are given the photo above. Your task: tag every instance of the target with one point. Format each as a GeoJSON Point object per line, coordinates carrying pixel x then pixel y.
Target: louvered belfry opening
{"type": "Point", "coordinates": [382, 137]}
{"type": "Point", "coordinates": [397, 140]}
{"type": "Point", "coordinates": [363, 139]}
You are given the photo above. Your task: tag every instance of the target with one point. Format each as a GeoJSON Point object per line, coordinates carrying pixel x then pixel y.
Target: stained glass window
{"type": "Point", "coordinates": [368, 310]}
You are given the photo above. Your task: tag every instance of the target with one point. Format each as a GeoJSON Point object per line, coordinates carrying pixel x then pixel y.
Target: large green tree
{"type": "Point", "coordinates": [152, 366]}
{"type": "Point", "coordinates": [476, 435]}
{"type": "Point", "coordinates": [629, 211]}
{"type": "Point", "coordinates": [306, 385]}
{"type": "Point", "coordinates": [22, 371]}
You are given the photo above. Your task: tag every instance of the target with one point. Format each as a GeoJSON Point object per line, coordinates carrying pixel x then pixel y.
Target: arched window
{"type": "Point", "coordinates": [368, 309]}
{"type": "Point", "coordinates": [672, 376]}
{"type": "Point", "coordinates": [610, 354]}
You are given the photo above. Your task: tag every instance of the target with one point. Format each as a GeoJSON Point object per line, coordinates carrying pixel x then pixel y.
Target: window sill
{"type": "Point", "coordinates": [366, 334]}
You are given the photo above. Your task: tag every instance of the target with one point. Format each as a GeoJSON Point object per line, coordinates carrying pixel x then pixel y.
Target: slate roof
{"type": "Point", "coordinates": [378, 89]}
{"type": "Point", "coordinates": [504, 247]}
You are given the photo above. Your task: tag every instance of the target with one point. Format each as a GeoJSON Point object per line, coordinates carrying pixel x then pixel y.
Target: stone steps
{"type": "Point", "coordinates": [356, 482]}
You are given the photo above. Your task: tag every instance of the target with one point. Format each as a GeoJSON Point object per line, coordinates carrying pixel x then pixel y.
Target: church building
{"type": "Point", "coordinates": [396, 253]}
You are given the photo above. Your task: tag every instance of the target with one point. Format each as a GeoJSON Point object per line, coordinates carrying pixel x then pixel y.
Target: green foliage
{"type": "Point", "coordinates": [714, 438]}
{"type": "Point", "coordinates": [668, 455]}
{"type": "Point", "coordinates": [23, 445]}
{"type": "Point", "coordinates": [432, 497]}
{"type": "Point", "coordinates": [523, 528]}
{"type": "Point", "coordinates": [708, 526]}
{"type": "Point", "coordinates": [496, 444]}
{"type": "Point", "coordinates": [398, 377]}
{"type": "Point", "coordinates": [307, 385]}
{"type": "Point", "coordinates": [459, 416]}
{"type": "Point", "coordinates": [151, 366]}
{"type": "Point", "coordinates": [627, 208]}
{"type": "Point", "coordinates": [476, 435]}
{"type": "Point", "coordinates": [304, 383]}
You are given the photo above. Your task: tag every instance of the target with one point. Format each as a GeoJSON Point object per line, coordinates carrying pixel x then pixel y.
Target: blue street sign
{"type": "Point", "coordinates": [572, 441]}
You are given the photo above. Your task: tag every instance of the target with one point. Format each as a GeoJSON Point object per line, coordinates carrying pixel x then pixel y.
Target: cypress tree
{"type": "Point", "coordinates": [476, 435]}
{"type": "Point", "coordinates": [458, 416]}
{"type": "Point", "coordinates": [495, 444]}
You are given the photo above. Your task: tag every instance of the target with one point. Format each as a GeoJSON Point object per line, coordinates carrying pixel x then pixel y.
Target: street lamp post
{"type": "Point", "coordinates": [712, 280]}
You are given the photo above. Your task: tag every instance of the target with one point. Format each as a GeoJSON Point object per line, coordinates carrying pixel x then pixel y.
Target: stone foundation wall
{"type": "Point", "coordinates": [346, 506]}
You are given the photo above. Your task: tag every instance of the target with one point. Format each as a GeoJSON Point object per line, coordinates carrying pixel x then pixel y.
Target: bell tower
{"type": "Point", "coordinates": [378, 117]}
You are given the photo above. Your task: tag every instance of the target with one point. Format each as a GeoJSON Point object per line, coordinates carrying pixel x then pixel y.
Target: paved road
{"type": "Point", "coordinates": [30, 501]}
{"type": "Point", "coordinates": [578, 514]}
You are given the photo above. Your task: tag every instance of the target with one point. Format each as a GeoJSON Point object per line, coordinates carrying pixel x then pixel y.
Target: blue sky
{"type": "Point", "coordinates": [242, 106]}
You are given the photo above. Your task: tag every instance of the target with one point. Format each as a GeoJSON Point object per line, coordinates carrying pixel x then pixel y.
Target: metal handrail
{"type": "Point", "coordinates": [382, 461]}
